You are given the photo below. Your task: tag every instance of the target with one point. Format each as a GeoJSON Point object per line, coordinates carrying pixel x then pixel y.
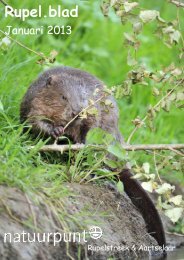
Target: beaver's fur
{"type": "Point", "coordinates": [56, 97]}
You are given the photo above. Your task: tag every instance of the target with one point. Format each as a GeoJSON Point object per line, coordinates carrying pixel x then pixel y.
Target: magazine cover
{"type": "Point", "coordinates": [91, 129]}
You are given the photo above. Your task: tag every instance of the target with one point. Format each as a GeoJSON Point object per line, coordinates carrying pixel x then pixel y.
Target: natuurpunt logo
{"type": "Point", "coordinates": [94, 232]}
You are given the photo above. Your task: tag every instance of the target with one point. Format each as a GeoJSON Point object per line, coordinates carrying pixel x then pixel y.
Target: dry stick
{"type": "Point", "coordinates": [155, 106]}
{"type": "Point", "coordinates": [175, 234]}
{"type": "Point", "coordinates": [177, 3]}
{"type": "Point", "coordinates": [3, 2]}
{"type": "Point", "coordinates": [156, 168]}
{"type": "Point", "coordinates": [135, 147]}
{"type": "Point", "coordinates": [22, 45]}
{"type": "Point", "coordinates": [177, 152]}
{"type": "Point", "coordinates": [83, 110]}
{"type": "Point", "coordinates": [158, 154]}
{"type": "Point", "coordinates": [19, 43]}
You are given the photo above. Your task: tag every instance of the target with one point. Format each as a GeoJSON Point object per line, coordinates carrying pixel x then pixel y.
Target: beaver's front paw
{"type": "Point", "coordinates": [57, 131]}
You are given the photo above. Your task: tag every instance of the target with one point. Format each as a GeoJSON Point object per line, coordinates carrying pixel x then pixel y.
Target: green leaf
{"type": "Point", "coordinates": [130, 37]}
{"type": "Point", "coordinates": [98, 136]}
{"type": "Point", "coordinates": [176, 200]}
{"type": "Point", "coordinates": [137, 176]}
{"type": "Point", "coordinates": [110, 163]}
{"type": "Point", "coordinates": [175, 36]}
{"type": "Point", "coordinates": [174, 214]}
{"type": "Point", "coordinates": [146, 167]}
{"type": "Point", "coordinates": [1, 106]}
{"type": "Point", "coordinates": [148, 186]}
{"type": "Point", "coordinates": [165, 188]}
{"type": "Point", "coordinates": [4, 43]}
{"type": "Point", "coordinates": [117, 151]}
{"type": "Point", "coordinates": [108, 102]}
{"type": "Point", "coordinates": [120, 187]}
{"type": "Point", "coordinates": [137, 27]}
{"type": "Point", "coordinates": [148, 15]}
{"type": "Point", "coordinates": [113, 2]}
{"type": "Point", "coordinates": [129, 6]}
{"type": "Point", "coordinates": [102, 171]}
{"type": "Point", "coordinates": [105, 8]}
{"type": "Point", "coordinates": [179, 96]}
{"type": "Point", "coordinates": [156, 92]}
{"type": "Point", "coordinates": [93, 111]}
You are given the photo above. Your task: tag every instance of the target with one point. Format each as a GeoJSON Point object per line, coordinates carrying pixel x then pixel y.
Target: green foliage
{"type": "Point", "coordinates": [120, 187]}
{"type": "Point", "coordinates": [142, 68]}
{"type": "Point", "coordinates": [166, 86]}
{"type": "Point", "coordinates": [116, 150]}
{"type": "Point", "coordinates": [99, 136]}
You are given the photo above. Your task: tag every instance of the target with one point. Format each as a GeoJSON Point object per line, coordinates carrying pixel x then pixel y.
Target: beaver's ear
{"type": "Point", "coordinates": [49, 81]}
{"type": "Point", "coordinates": [52, 81]}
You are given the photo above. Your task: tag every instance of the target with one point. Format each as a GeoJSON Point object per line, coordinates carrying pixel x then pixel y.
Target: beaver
{"type": "Point", "coordinates": [56, 98]}
{"type": "Point", "coordinates": [60, 94]}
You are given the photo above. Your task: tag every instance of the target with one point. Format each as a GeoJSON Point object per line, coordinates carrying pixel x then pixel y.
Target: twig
{"type": "Point", "coordinates": [156, 168]}
{"type": "Point", "coordinates": [177, 3]}
{"type": "Point", "coordinates": [60, 148]}
{"type": "Point", "coordinates": [3, 2]}
{"type": "Point", "coordinates": [135, 147]}
{"type": "Point", "coordinates": [175, 234]}
{"type": "Point", "coordinates": [6, 4]}
{"type": "Point", "coordinates": [177, 152]}
{"type": "Point", "coordinates": [23, 46]}
{"type": "Point", "coordinates": [19, 43]}
{"type": "Point", "coordinates": [83, 110]}
{"type": "Point", "coordinates": [154, 107]}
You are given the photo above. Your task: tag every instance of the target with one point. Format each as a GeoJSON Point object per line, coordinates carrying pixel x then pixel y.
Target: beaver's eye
{"type": "Point", "coordinates": [64, 98]}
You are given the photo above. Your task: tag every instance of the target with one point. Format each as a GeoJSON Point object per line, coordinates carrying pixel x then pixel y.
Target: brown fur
{"type": "Point", "coordinates": [145, 205]}
{"type": "Point", "coordinates": [56, 97]}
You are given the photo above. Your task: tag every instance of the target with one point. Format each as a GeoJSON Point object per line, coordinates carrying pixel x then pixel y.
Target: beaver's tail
{"type": "Point", "coordinates": [145, 205]}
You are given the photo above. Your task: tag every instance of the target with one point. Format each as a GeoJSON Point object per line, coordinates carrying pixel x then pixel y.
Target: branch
{"type": "Point", "coordinates": [3, 2]}
{"type": "Point", "coordinates": [175, 234]}
{"type": "Point", "coordinates": [156, 168]}
{"type": "Point", "coordinates": [19, 43]}
{"type": "Point", "coordinates": [80, 113]}
{"type": "Point", "coordinates": [23, 46]}
{"type": "Point", "coordinates": [177, 3]}
{"type": "Point", "coordinates": [6, 4]}
{"type": "Point", "coordinates": [135, 147]}
{"type": "Point", "coordinates": [154, 107]}
{"type": "Point", "coordinates": [84, 109]}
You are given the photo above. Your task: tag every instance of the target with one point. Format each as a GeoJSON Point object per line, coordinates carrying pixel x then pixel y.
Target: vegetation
{"type": "Point", "coordinates": [100, 46]}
